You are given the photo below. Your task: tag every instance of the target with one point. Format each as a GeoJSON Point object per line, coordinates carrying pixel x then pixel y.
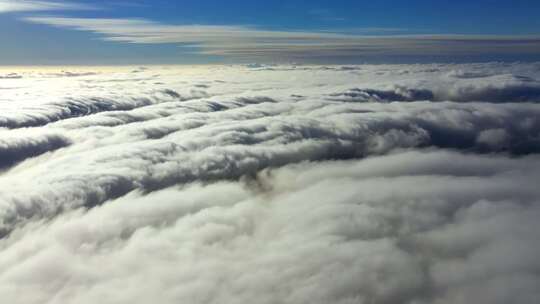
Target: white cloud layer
{"type": "Point", "coordinates": [275, 184]}
{"type": "Point", "coordinates": [242, 41]}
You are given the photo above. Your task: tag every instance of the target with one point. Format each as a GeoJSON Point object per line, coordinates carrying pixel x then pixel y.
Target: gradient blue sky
{"type": "Point", "coordinates": [211, 31]}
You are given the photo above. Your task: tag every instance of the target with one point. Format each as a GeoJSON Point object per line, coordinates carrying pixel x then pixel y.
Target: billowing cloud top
{"type": "Point", "coordinates": [280, 184]}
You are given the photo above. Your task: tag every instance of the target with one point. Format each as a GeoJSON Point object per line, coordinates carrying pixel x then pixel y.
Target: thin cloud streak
{"type": "Point", "coordinates": [243, 41]}
{"type": "Point", "coordinates": [7, 6]}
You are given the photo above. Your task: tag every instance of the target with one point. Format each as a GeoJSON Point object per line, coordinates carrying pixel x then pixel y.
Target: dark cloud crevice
{"type": "Point", "coordinates": [508, 94]}
{"type": "Point", "coordinates": [19, 149]}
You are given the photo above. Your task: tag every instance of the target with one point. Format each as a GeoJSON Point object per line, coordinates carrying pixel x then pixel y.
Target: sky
{"type": "Point", "coordinates": [299, 31]}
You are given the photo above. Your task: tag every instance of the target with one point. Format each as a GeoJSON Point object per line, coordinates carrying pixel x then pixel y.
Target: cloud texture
{"type": "Point", "coordinates": [289, 184]}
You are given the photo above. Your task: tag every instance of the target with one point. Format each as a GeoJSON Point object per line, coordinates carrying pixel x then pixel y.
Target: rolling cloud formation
{"type": "Point", "coordinates": [275, 184]}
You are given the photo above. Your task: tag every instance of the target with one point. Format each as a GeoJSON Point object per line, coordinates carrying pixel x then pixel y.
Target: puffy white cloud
{"type": "Point", "coordinates": [404, 228]}
{"type": "Point", "coordinates": [290, 184]}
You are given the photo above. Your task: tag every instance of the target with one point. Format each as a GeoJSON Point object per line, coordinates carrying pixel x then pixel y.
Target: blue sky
{"type": "Point", "coordinates": [212, 31]}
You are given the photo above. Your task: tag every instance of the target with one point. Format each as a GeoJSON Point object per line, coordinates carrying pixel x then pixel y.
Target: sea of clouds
{"type": "Point", "coordinates": [271, 184]}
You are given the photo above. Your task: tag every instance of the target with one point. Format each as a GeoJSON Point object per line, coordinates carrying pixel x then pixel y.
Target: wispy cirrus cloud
{"type": "Point", "coordinates": [244, 41]}
{"type": "Point", "coordinates": [7, 6]}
